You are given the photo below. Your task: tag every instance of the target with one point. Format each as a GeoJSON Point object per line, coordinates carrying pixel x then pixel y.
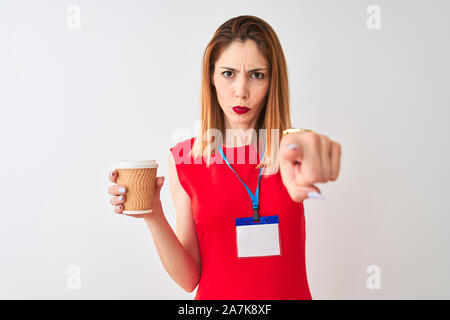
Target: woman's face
{"type": "Point", "coordinates": [241, 78]}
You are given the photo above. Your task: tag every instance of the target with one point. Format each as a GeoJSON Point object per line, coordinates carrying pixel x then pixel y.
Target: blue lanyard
{"type": "Point", "coordinates": [254, 198]}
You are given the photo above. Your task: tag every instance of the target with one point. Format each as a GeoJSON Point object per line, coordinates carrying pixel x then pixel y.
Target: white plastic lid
{"type": "Point", "coordinates": [136, 164]}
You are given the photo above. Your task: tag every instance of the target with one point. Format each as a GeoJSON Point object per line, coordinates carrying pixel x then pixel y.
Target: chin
{"type": "Point", "coordinates": [241, 119]}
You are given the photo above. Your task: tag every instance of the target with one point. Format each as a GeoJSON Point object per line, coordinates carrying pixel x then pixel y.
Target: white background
{"type": "Point", "coordinates": [126, 85]}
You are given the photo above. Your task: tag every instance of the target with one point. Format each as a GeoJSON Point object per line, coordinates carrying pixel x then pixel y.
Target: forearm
{"type": "Point", "coordinates": [177, 261]}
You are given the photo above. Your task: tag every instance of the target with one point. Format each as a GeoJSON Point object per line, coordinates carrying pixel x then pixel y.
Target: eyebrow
{"type": "Point", "coordinates": [232, 69]}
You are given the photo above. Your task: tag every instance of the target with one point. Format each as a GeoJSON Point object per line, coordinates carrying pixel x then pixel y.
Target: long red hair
{"type": "Point", "coordinates": [274, 116]}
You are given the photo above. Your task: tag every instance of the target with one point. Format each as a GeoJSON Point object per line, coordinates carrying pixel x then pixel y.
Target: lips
{"type": "Point", "coordinates": [240, 109]}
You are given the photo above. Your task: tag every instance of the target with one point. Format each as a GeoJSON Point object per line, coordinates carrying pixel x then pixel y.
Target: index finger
{"type": "Point", "coordinates": [307, 152]}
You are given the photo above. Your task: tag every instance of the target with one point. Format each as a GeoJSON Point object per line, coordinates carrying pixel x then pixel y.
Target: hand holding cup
{"type": "Point", "coordinates": [137, 192]}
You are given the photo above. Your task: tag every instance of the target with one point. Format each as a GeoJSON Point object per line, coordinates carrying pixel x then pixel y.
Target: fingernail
{"type": "Point", "coordinates": [121, 189]}
{"type": "Point", "coordinates": [314, 195]}
{"type": "Point", "coordinates": [111, 173]}
{"type": "Point", "coordinates": [120, 198]}
{"type": "Point", "coordinates": [293, 146]}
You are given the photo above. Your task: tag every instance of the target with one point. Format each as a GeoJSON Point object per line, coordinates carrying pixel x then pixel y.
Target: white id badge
{"type": "Point", "coordinates": [258, 239]}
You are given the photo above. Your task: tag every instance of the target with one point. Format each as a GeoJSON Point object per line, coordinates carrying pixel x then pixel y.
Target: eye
{"type": "Point", "coordinates": [226, 72]}
{"type": "Point", "coordinates": [259, 73]}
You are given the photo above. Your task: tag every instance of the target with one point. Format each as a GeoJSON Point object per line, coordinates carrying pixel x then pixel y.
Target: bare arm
{"type": "Point", "coordinates": [179, 252]}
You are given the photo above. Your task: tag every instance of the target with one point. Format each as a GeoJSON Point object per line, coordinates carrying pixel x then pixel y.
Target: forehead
{"type": "Point", "coordinates": [242, 55]}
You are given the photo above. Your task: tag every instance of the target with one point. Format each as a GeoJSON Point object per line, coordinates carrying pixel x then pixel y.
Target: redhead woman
{"type": "Point", "coordinates": [238, 186]}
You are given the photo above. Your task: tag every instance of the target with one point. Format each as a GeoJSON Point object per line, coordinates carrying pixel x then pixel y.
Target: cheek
{"type": "Point", "coordinates": [222, 89]}
{"type": "Point", "coordinates": [262, 91]}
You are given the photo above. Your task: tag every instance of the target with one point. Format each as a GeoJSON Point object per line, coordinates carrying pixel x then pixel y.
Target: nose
{"type": "Point", "coordinates": [241, 89]}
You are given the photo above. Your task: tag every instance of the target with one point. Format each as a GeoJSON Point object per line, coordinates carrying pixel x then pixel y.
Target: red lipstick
{"type": "Point", "coordinates": [240, 109]}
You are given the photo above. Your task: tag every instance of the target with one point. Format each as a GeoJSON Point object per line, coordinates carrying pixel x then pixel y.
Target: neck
{"type": "Point", "coordinates": [236, 134]}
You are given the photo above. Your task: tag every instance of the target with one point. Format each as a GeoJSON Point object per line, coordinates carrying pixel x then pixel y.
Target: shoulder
{"type": "Point", "coordinates": [181, 151]}
{"type": "Point", "coordinates": [184, 144]}
{"type": "Point", "coordinates": [180, 172]}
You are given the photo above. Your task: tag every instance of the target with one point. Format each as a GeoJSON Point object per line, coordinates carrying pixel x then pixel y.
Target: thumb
{"type": "Point", "coordinates": [313, 192]}
{"type": "Point", "coordinates": [299, 193]}
{"type": "Point", "coordinates": [159, 183]}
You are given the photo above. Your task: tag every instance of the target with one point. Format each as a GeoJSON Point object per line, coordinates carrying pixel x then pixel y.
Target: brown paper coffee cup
{"type": "Point", "coordinates": [139, 177]}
